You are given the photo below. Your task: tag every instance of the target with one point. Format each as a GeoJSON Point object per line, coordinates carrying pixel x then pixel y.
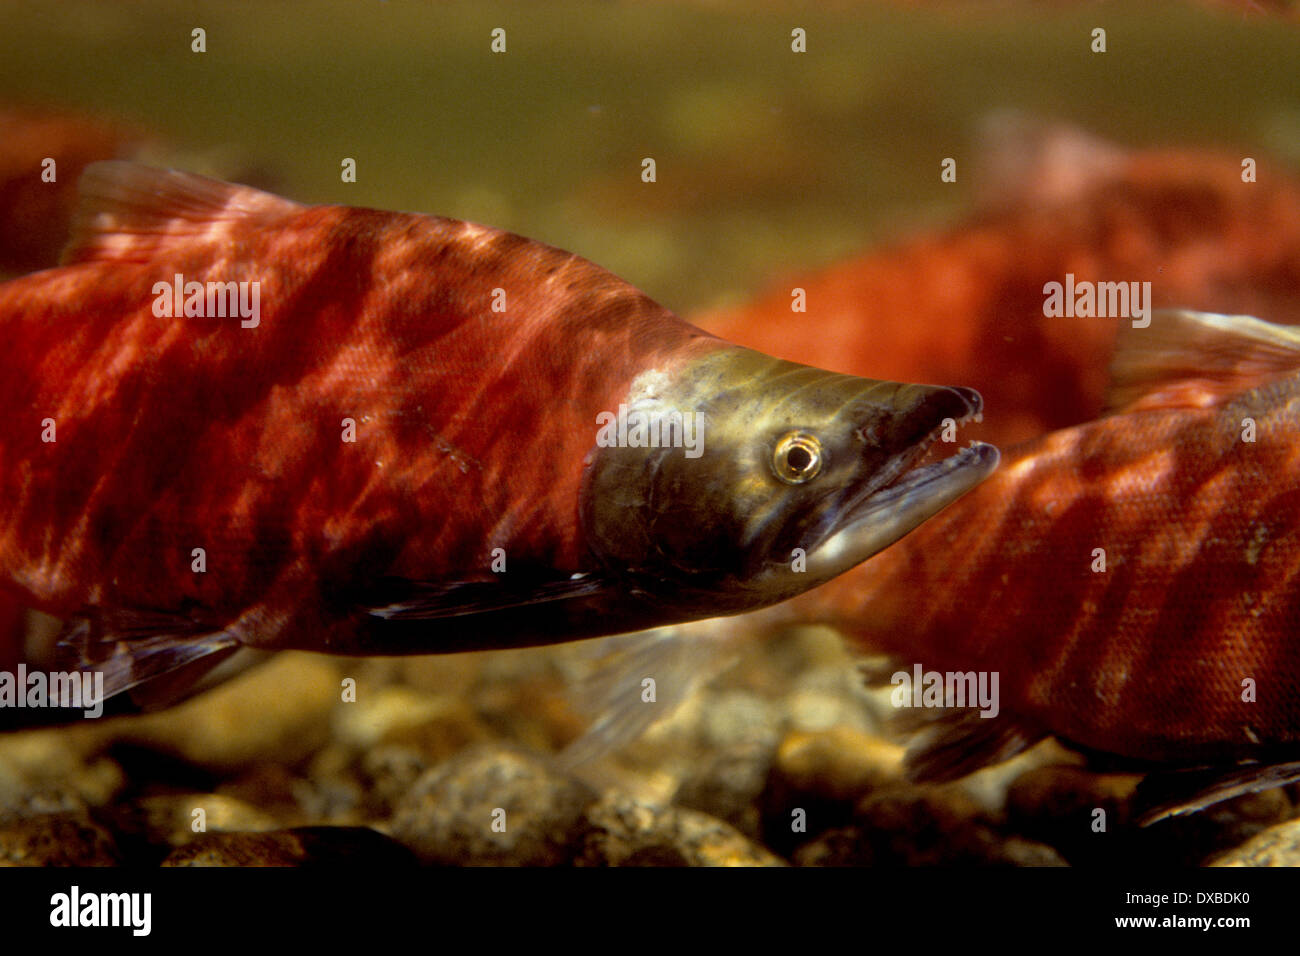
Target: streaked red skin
{"type": "Point", "coordinates": [232, 436]}
{"type": "Point", "coordinates": [1201, 533]}
{"type": "Point", "coordinates": [966, 305]}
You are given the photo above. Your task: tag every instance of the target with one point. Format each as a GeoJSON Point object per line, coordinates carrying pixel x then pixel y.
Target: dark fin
{"type": "Point", "coordinates": [1187, 359]}
{"type": "Point", "coordinates": [130, 212]}
{"type": "Point", "coordinates": [417, 601]}
{"type": "Point", "coordinates": [960, 742]}
{"type": "Point", "coordinates": [948, 743]}
{"type": "Point", "coordinates": [1164, 794]}
{"type": "Point", "coordinates": [156, 669]}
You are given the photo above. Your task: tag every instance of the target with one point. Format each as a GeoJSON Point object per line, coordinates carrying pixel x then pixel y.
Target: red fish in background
{"type": "Point", "coordinates": [1200, 530]}
{"type": "Point", "coordinates": [239, 421]}
{"type": "Point", "coordinates": [1131, 581]}
{"type": "Point", "coordinates": [967, 303]}
{"type": "Point", "coordinates": [36, 215]}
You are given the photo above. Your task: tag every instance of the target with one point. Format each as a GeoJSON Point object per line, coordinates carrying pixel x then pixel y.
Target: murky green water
{"type": "Point", "coordinates": [767, 160]}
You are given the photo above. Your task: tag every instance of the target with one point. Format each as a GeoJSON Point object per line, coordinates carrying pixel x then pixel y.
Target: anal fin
{"type": "Point", "coordinates": [962, 741]}
{"type": "Point", "coordinates": [949, 742]}
{"type": "Point", "coordinates": [1164, 794]}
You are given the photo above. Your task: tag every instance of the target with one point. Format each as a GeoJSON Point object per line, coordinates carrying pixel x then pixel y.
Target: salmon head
{"type": "Point", "coordinates": [244, 422]}
{"type": "Point", "coordinates": [800, 474]}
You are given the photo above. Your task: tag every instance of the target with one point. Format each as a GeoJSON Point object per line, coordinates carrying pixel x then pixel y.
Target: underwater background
{"type": "Point", "coordinates": [769, 164]}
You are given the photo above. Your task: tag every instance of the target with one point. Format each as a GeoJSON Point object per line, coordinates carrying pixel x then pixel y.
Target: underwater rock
{"type": "Point", "coordinates": [438, 725]}
{"type": "Point", "coordinates": [48, 771]}
{"type": "Point", "coordinates": [837, 764]}
{"type": "Point", "coordinates": [853, 846]}
{"type": "Point", "coordinates": [1060, 796]}
{"type": "Point", "coordinates": [493, 806]}
{"type": "Point", "coordinates": [302, 846]}
{"type": "Point", "coordinates": [278, 712]}
{"type": "Point", "coordinates": [57, 839]}
{"type": "Point", "coordinates": [926, 825]}
{"type": "Point", "coordinates": [389, 772]}
{"type": "Point", "coordinates": [1276, 846]}
{"type": "Point", "coordinates": [622, 831]}
{"type": "Point", "coordinates": [732, 717]}
{"type": "Point", "coordinates": [727, 786]}
{"type": "Point", "coordinates": [816, 779]}
{"type": "Point", "coordinates": [178, 819]}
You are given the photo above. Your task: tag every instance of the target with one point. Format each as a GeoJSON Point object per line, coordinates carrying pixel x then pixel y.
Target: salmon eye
{"type": "Point", "coordinates": [797, 457]}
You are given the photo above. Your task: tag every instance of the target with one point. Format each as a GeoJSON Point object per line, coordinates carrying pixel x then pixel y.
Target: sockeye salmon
{"type": "Point", "coordinates": [236, 421]}
{"type": "Point", "coordinates": [966, 304]}
{"type": "Point", "coordinates": [1131, 581]}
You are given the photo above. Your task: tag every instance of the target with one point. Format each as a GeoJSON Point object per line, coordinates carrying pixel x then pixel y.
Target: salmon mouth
{"type": "Point", "coordinates": [909, 488]}
{"type": "Point", "coordinates": [917, 454]}
{"type": "Point", "coordinates": [947, 479]}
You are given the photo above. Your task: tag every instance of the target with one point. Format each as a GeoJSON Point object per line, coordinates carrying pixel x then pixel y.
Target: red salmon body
{"type": "Point", "coordinates": [243, 421]}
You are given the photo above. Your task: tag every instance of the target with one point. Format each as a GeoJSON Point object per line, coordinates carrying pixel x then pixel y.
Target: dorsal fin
{"type": "Point", "coordinates": [126, 210]}
{"type": "Point", "coordinates": [1186, 359]}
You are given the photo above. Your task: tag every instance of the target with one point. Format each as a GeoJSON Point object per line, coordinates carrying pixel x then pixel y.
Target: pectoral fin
{"type": "Point", "coordinates": [676, 661]}
{"type": "Point", "coordinates": [401, 600]}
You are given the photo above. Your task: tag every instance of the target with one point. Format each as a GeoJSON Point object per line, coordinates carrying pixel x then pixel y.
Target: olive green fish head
{"type": "Point", "coordinates": [741, 480]}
